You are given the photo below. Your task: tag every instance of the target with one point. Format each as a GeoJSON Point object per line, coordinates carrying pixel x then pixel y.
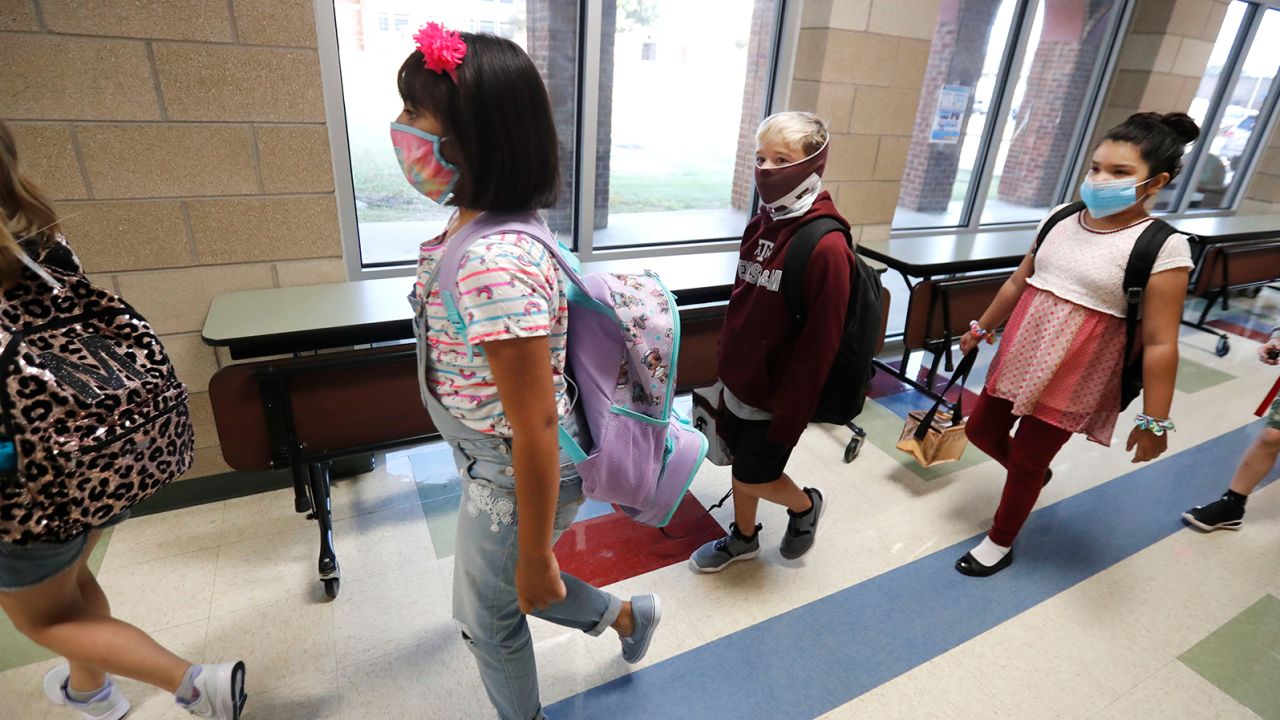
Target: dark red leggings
{"type": "Point", "coordinates": [1025, 455]}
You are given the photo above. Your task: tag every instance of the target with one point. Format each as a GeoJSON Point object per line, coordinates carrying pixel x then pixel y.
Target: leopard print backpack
{"type": "Point", "coordinates": [89, 398]}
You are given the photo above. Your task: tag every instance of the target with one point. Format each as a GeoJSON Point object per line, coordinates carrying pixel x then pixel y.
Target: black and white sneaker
{"type": "Point", "coordinates": [802, 529]}
{"type": "Point", "coordinates": [1226, 513]}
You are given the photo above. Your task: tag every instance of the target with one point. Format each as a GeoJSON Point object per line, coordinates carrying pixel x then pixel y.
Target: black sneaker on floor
{"type": "Point", "coordinates": [1222, 514]}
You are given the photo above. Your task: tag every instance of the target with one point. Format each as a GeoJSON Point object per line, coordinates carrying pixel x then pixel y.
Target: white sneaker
{"type": "Point", "coordinates": [219, 692]}
{"type": "Point", "coordinates": [110, 705]}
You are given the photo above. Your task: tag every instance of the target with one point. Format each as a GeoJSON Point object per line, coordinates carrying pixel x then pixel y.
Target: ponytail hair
{"type": "Point", "coordinates": [1160, 138]}
{"type": "Point", "coordinates": [25, 211]}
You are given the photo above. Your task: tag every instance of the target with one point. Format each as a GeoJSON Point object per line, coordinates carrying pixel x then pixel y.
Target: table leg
{"type": "Point", "coordinates": [320, 499]}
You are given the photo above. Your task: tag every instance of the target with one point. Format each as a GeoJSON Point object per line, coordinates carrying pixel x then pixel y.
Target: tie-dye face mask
{"type": "Point", "coordinates": [423, 165]}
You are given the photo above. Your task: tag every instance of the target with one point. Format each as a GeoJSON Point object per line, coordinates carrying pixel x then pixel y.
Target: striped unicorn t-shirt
{"type": "Point", "coordinates": [509, 286]}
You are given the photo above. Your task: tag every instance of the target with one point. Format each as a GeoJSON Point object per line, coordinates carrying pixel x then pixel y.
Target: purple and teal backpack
{"type": "Point", "coordinates": [623, 345]}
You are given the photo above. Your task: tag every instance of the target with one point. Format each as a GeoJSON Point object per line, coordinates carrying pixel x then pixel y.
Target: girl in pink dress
{"type": "Point", "coordinates": [1059, 365]}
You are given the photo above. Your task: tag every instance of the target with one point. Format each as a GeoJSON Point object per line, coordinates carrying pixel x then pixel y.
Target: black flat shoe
{"type": "Point", "coordinates": [968, 565]}
{"type": "Point", "coordinates": [1048, 475]}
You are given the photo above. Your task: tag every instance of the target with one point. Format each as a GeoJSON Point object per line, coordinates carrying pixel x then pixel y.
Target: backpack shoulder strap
{"type": "Point", "coordinates": [799, 250]}
{"type": "Point", "coordinates": [1062, 214]}
{"type": "Point", "coordinates": [1136, 274]}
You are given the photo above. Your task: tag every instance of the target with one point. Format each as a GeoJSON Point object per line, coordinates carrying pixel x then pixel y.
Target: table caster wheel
{"type": "Point", "coordinates": [331, 587]}
{"type": "Point", "coordinates": [851, 451]}
{"type": "Point", "coordinates": [1224, 347]}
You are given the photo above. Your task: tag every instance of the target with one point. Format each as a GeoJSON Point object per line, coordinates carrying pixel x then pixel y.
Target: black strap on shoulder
{"type": "Point", "coordinates": [1142, 260]}
{"type": "Point", "coordinates": [1066, 212]}
{"type": "Point", "coordinates": [799, 249]}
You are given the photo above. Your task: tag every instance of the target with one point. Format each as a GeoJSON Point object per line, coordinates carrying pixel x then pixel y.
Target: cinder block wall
{"type": "Point", "coordinates": [1263, 193]}
{"type": "Point", "coordinates": [185, 144]}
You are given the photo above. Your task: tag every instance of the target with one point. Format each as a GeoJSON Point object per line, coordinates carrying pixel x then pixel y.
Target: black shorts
{"type": "Point", "coordinates": [756, 460]}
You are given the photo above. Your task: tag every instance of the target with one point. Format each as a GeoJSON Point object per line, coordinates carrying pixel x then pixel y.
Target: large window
{"type": "Point", "coordinates": [1236, 97]}
{"type": "Point", "coordinates": [676, 90]}
{"type": "Point", "coordinates": [1008, 93]}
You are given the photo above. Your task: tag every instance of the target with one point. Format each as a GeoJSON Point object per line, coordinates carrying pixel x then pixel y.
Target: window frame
{"type": "Point", "coordinates": [1246, 36]}
{"type": "Point", "coordinates": [786, 29]}
{"type": "Point", "coordinates": [1011, 67]}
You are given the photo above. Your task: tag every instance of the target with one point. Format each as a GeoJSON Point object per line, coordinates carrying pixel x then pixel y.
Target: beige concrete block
{"type": "Point", "coordinates": [853, 157]}
{"type": "Point", "coordinates": [106, 282]}
{"type": "Point", "coordinates": [860, 58]}
{"type": "Point", "coordinates": [804, 95]}
{"type": "Point", "coordinates": [876, 232]}
{"type": "Point", "coordinates": [1270, 162]}
{"type": "Point", "coordinates": [44, 77]}
{"type": "Point", "coordinates": [915, 19]}
{"type": "Point", "coordinates": [48, 156]}
{"type": "Point", "coordinates": [891, 159]}
{"type": "Point", "coordinates": [850, 14]}
{"type": "Point", "coordinates": [1162, 93]}
{"type": "Point", "coordinates": [883, 111]}
{"type": "Point", "coordinates": [816, 14]}
{"type": "Point", "coordinates": [208, 461]}
{"type": "Point", "coordinates": [1213, 25]}
{"type": "Point", "coordinates": [277, 228]}
{"type": "Point", "coordinates": [1189, 17]}
{"type": "Point", "coordinates": [1151, 16]}
{"type": "Point", "coordinates": [1258, 207]}
{"type": "Point", "coordinates": [276, 22]}
{"type": "Point", "coordinates": [137, 161]}
{"type": "Point", "coordinates": [128, 235]}
{"type": "Point", "coordinates": [17, 15]}
{"type": "Point", "coordinates": [151, 19]}
{"type": "Point", "coordinates": [295, 159]}
{"type": "Point", "coordinates": [177, 301]}
{"type": "Point", "coordinates": [869, 203]}
{"type": "Point", "coordinates": [1170, 45]}
{"type": "Point", "coordinates": [811, 54]}
{"type": "Point", "coordinates": [202, 420]}
{"type": "Point", "coordinates": [194, 361]}
{"type": "Point", "coordinates": [1140, 52]}
{"type": "Point", "coordinates": [912, 61]}
{"type": "Point", "coordinates": [1265, 187]}
{"type": "Point", "coordinates": [832, 102]}
{"type": "Point", "coordinates": [209, 82]}
{"type": "Point", "coordinates": [1127, 88]}
{"type": "Point", "coordinates": [311, 272]}
{"type": "Point", "coordinates": [1190, 88]}
{"type": "Point", "coordinates": [1193, 56]}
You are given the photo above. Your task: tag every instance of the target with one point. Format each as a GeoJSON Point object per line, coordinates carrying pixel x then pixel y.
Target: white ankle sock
{"type": "Point", "coordinates": [988, 553]}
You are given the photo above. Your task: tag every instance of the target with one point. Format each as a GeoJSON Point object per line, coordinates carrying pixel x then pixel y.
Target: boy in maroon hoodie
{"type": "Point", "coordinates": [773, 368]}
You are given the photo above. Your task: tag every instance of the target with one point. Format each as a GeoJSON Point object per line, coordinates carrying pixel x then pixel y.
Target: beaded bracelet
{"type": "Point", "coordinates": [981, 334]}
{"type": "Point", "coordinates": [1156, 426]}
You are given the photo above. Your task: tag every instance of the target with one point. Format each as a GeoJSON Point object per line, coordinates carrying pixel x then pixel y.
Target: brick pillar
{"type": "Point", "coordinates": [754, 94]}
{"type": "Point", "coordinates": [959, 48]}
{"type": "Point", "coordinates": [1070, 44]}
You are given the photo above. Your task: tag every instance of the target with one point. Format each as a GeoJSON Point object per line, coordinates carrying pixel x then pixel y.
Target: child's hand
{"type": "Point", "coordinates": [538, 583]}
{"type": "Point", "coordinates": [1150, 446]}
{"type": "Point", "coordinates": [1270, 353]}
{"type": "Point", "coordinates": [968, 342]}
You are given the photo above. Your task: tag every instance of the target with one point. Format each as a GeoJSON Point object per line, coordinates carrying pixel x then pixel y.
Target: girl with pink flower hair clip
{"type": "Point", "coordinates": [477, 133]}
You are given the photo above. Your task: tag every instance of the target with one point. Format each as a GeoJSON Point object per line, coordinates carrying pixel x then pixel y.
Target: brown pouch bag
{"type": "Point", "coordinates": [932, 436]}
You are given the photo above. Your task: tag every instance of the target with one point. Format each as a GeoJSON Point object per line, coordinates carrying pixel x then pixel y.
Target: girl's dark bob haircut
{"type": "Point", "coordinates": [498, 126]}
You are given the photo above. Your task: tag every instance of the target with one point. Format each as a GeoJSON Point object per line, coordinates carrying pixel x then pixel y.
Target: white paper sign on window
{"type": "Point", "coordinates": [948, 121]}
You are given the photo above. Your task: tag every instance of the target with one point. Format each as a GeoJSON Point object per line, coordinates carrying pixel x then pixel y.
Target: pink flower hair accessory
{"type": "Point", "coordinates": [442, 49]}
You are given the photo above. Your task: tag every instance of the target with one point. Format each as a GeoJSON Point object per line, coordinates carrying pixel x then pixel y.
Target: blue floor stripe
{"type": "Point", "coordinates": [820, 656]}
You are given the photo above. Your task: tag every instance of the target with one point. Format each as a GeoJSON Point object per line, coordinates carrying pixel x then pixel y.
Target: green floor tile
{"type": "Point", "coordinates": [883, 430]}
{"type": "Point", "coordinates": [442, 523]}
{"type": "Point", "coordinates": [1242, 658]}
{"type": "Point", "coordinates": [1194, 377]}
{"type": "Point", "coordinates": [15, 649]}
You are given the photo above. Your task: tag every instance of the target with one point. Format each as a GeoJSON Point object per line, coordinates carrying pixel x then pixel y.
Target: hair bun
{"type": "Point", "coordinates": [1182, 125]}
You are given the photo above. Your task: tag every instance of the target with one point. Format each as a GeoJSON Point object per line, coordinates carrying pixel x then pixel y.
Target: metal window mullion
{"type": "Point", "coordinates": [1217, 107]}
{"type": "Point", "coordinates": [1256, 148]}
{"type": "Point", "coordinates": [588, 128]}
{"type": "Point", "coordinates": [993, 133]}
{"type": "Point", "coordinates": [1087, 123]}
{"type": "Point", "coordinates": [336, 116]}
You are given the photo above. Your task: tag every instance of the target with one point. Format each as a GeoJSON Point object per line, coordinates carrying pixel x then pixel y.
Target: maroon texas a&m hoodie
{"type": "Point", "coordinates": [767, 360]}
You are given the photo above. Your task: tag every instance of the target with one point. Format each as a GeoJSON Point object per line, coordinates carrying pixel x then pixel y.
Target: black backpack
{"type": "Point", "coordinates": [845, 391]}
{"type": "Point", "coordinates": [1136, 274]}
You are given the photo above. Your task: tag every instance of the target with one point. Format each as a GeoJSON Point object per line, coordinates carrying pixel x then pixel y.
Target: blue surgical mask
{"type": "Point", "coordinates": [1109, 197]}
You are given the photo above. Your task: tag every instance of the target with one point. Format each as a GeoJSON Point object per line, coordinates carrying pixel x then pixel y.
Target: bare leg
{"type": "Point", "coordinates": [87, 678]}
{"type": "Point", "coordinates": [57, 615]}
{"type": "Point", "coordinates": [1257, 461]}
{"type": "Point", "coordinates": [747, 497]}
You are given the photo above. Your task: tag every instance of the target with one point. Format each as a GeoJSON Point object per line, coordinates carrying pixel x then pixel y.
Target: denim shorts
{"type": "Point", "coordinates": [25, 566]}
